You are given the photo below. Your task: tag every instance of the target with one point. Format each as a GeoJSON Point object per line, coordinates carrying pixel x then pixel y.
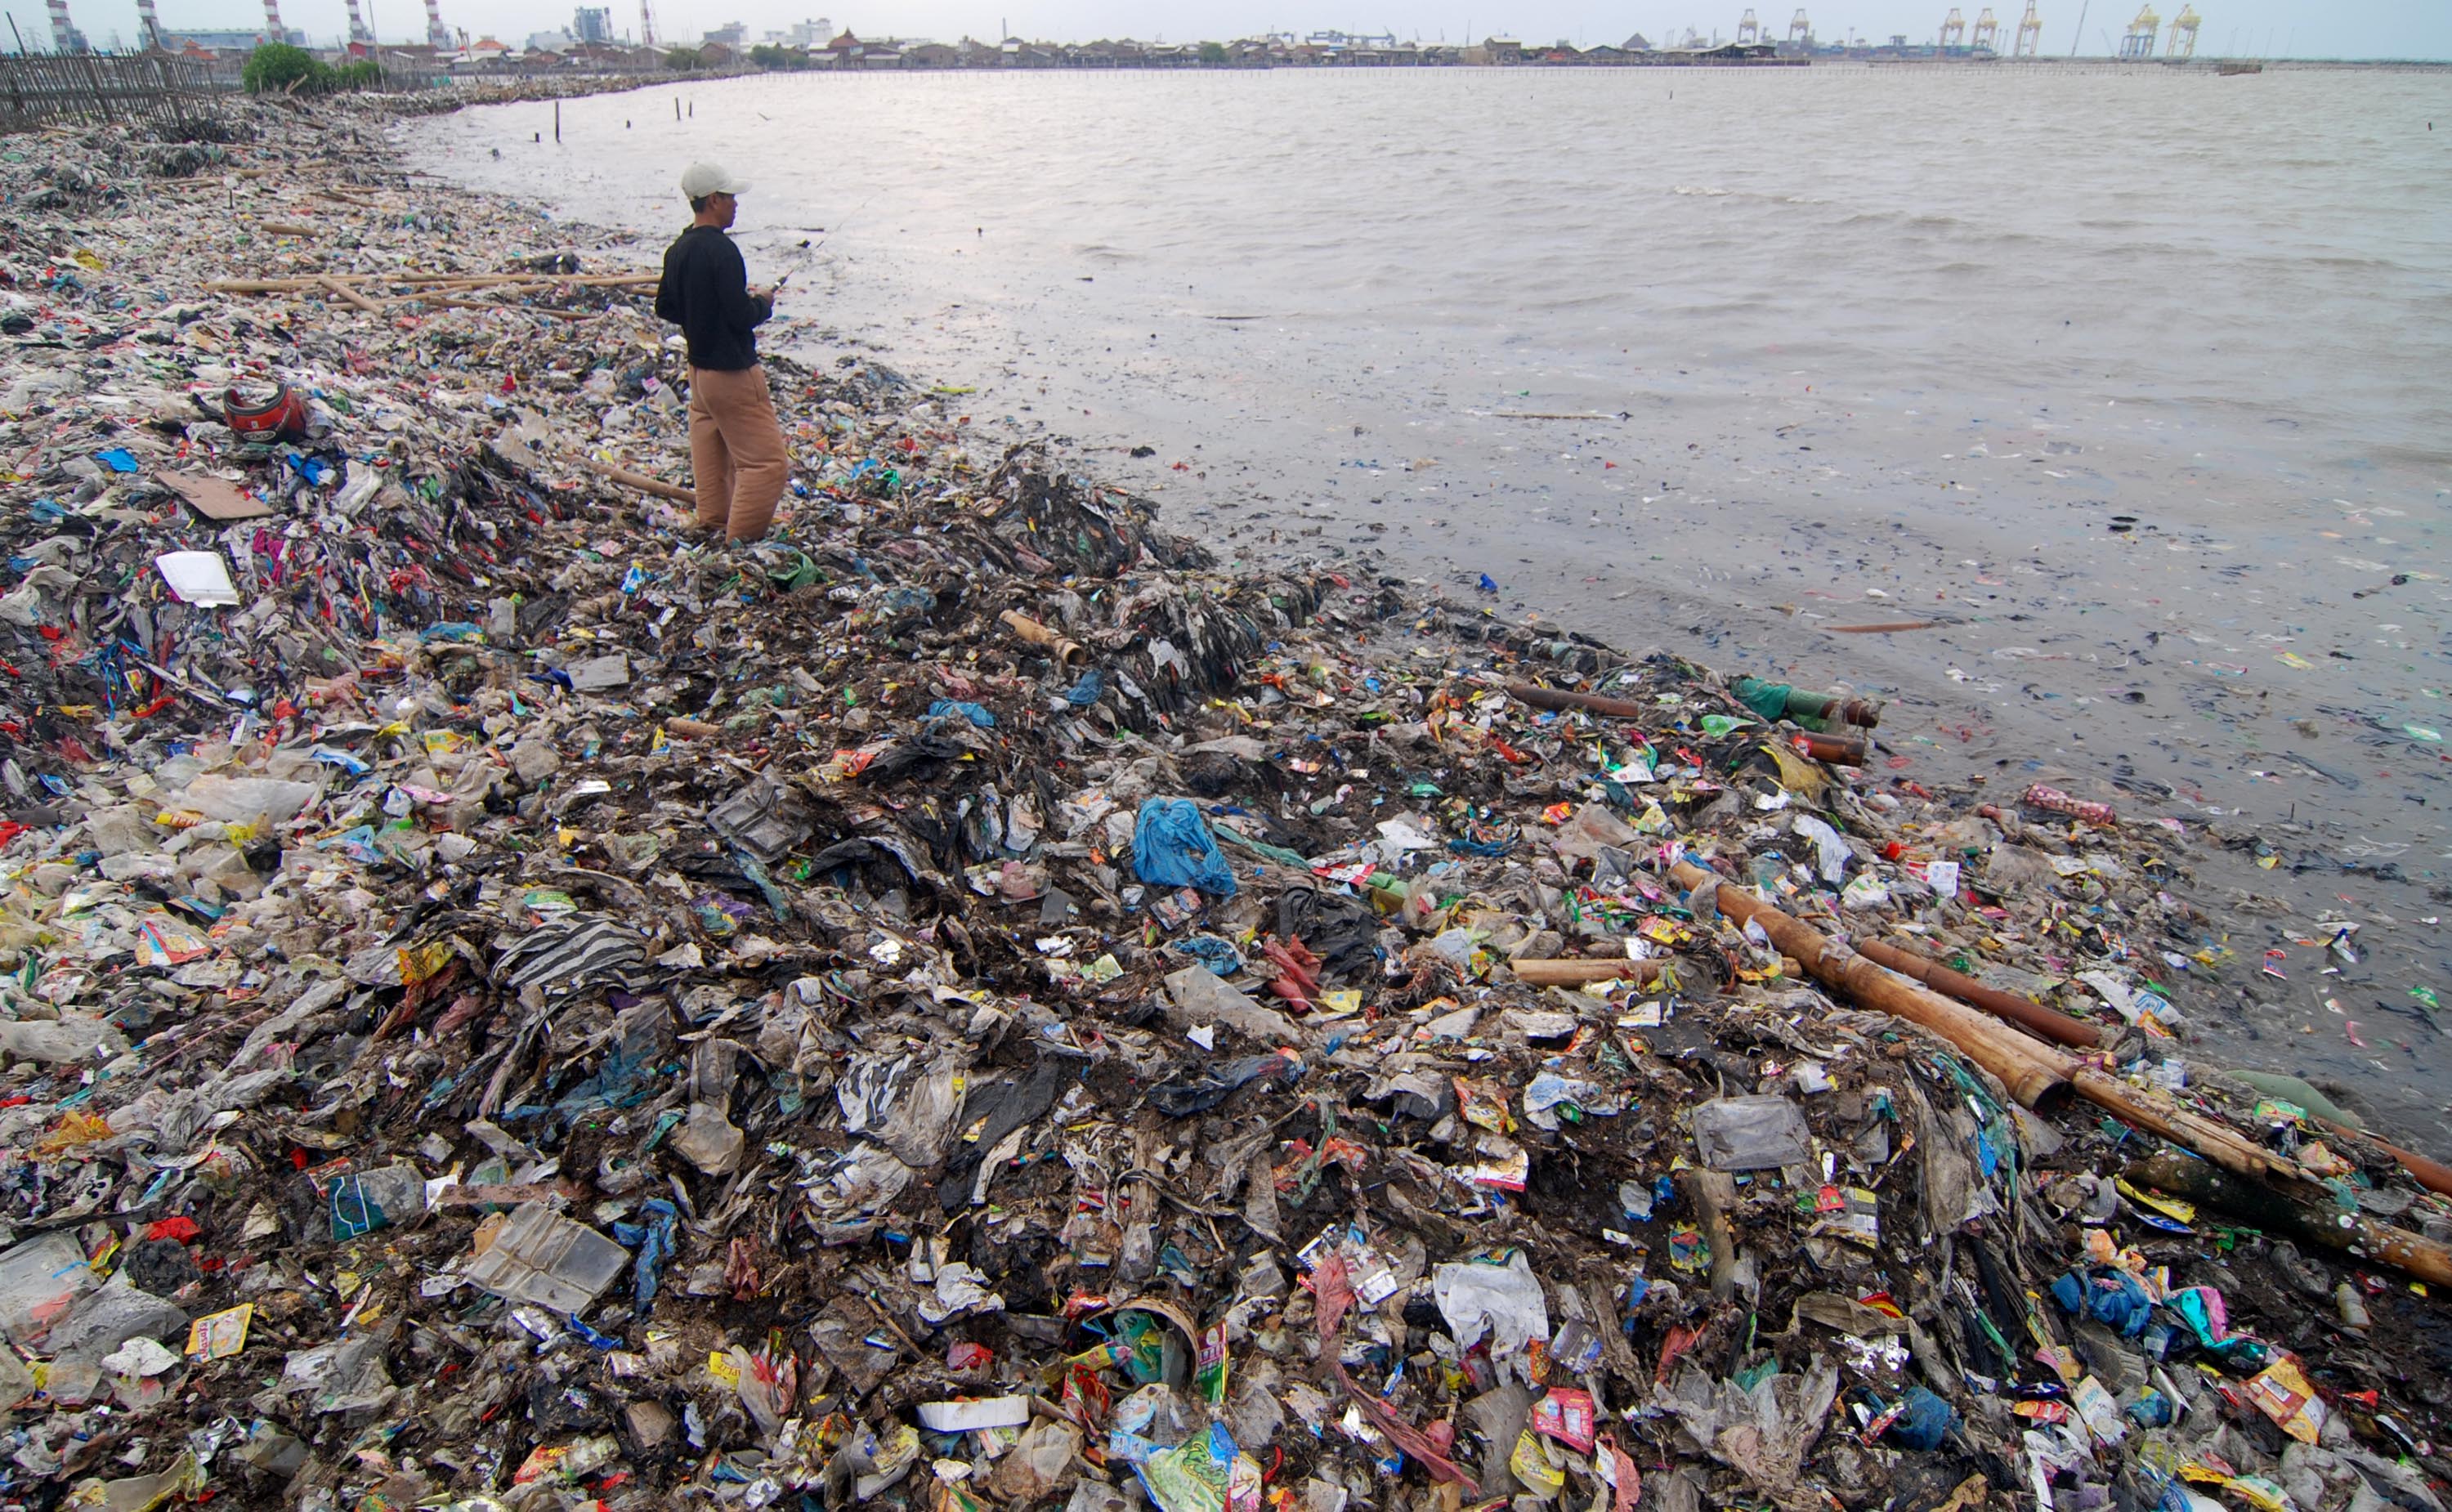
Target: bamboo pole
{"type": "Point", "coordinates": [2432, 1174]}
{"type": "Point", "coordinates": [2036, 1075]}
{"type": "Point", "coordinates": [464, 281]}
{"type": "Point", "coordinates": [2033, 1065]}
{"type": "Point", "coordinates": [1559, 700]}
{"type": "Point", "coordinates": [2314, 1221]}
{"type": "Point", "coordinates": [497, 305]}
{"type": "Point", "coordinates": [1038, 635]}
{"type": "Point", "coordinates": [2024, 1012]}
{"type": "Point", "coordinates": [1576, 973]}
{"type": "Point", "coordinates": [336, 287]}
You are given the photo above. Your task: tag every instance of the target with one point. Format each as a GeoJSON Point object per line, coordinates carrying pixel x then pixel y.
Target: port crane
{"type": "Point", "coordinates": [1953, 30]}
{"type": "Point", "coordinates": [1749, 30]}
{"type": "Point", "coordinates": [2031, 35]}
{"type": "Point", "coordinates": [1799, 32]}
{"type": "Point", "coordinates": [2139, 42]}
{"type": "Point", "coordinates": [2183, 43]}
{"type": "Point", "coordinates": [1987, 33]}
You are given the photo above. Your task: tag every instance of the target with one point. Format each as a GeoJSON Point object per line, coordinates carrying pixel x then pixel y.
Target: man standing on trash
{"type": "Point", "coordinates": [736, 445]}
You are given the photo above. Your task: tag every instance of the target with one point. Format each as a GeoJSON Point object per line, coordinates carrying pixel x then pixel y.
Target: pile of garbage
{"type": "Point", "coordinates": [963, 1003]}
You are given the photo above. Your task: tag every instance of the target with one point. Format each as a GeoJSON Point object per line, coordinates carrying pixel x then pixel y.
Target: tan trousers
{"type": "Point", "coordinates": [736, 451]}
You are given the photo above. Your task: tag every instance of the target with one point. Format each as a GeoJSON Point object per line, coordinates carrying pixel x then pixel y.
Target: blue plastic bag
{"type": "Point", "coordinates": [2110, 1296]}
{"type": "Point", "coordinates": [1219, 955]}
{"type": "Point", "coordinates": [1172, 848]}
{"type": "Point", "coordinates": [976, 714]}
{"type": "Point", "coordinates": [1924, 1421]}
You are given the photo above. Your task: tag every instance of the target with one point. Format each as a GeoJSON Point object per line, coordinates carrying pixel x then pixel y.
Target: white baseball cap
{"type": "Point", "coordinates": [701, 179]}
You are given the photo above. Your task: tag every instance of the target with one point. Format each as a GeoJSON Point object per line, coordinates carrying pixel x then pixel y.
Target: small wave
{"type": "Point", "coordinates": [1708, 193]}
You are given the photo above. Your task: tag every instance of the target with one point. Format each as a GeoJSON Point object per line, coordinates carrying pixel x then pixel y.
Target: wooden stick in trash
{"type": "Point", "coordinates": [639, 481]}
{"type": "Point", "coordinates": [1714, 1195]}
{"type": "Point", "coordinates": [2317, 1221]}
{"type": "Point", "coordinates": [2024, 1012]}
{"type": "Point", "coordinates": [1038, 635]}
{"type": "Point", "coordinates": [2432, 1174]}
{"type": "Point", "coordinates": [1575, 974]}
{"type": "Point", "coordinates": [288, 229]}
{"type": "Point", "coordinates": [463, 280]}
{"type": "Point", "coordinates": [497, 305]}
{"type": "Point", "coordinates": [2034, 1073]}
{"type": "Point", "coordinates": [2031, 1066]}
{"type": "Point", "coordinates": [336, 287]}
{"type": "Point", "coordinates": [1555, 698]}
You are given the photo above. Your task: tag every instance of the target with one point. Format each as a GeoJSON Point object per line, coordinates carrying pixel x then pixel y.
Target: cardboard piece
{"type": "Point", "coordinates": [212, 498]}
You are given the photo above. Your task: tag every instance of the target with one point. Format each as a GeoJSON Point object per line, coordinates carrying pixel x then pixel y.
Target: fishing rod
{"type": "Point", "coordinates": [856, 210]}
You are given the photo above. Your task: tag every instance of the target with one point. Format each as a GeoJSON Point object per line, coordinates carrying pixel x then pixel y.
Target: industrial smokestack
{"type": "Point", "coordinates": [64, 36]}
{"type": "Point", "coordinates": [438, 36]}
{"type": "Point", "coordinates": [358, 32]}
{"type": "Point", "coordinates": [273, 29]}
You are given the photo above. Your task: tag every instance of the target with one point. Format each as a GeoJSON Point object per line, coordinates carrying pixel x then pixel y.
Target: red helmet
{"type": "Point", "coordinates": [280, 417]}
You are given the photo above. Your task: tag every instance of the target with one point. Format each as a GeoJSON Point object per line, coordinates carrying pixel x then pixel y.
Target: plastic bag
{"type": "Point", "coordinates": [2111, 1296]}
{"type": "Point", "coordinates": [247, 800]}
{"type": "Point", "coordinates": [1751, 1133]}
{"type": "Point", "coordinates": [109, 1317]}
{"type": "Point", "coordinates": [54, 1041]}
{"type": "Point", "coordinates": [39, 1280]}
{"type": "Point", "coordinates": [1038, 1464]}
{"type": "Point", "coordinates": [1172, 848]}
{"type": "Point", "coordinates": [1923, 1421]}
{"type": "Point", "coordinates": [538, 1256]}
{"type": "Point", "coordinates": [1505, 1301]}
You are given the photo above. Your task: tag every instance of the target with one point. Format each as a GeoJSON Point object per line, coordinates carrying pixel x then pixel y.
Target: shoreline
{"type": "Point", "coordinates": [485, 827]}
{"type": "Point", "coordinates": [2131, 668]}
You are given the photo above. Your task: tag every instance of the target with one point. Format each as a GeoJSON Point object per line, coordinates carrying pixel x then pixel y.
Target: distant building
{"type": "Point", "coordinates": [549, 42]}
{"type": "Point", "coordinates": [806, 33]}
{"type": "Point", "coordinates": [592, 24]}
{"type": "Point", "coordinates": [732, 34]}
{"type": "Point", "coordinates": [848, 52]}
{"type": "Point", "coordinates": [233, 41]}
{"type": "Point", "coordinates": [1638, 43]}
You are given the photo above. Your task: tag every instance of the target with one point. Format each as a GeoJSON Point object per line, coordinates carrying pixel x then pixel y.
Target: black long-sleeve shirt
{"type": "Point", "coordinates": [705, 291]}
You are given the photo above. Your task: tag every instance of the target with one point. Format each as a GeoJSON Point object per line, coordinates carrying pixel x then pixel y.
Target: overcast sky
{"type": "Point", "coordinates": [2402, 29]}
